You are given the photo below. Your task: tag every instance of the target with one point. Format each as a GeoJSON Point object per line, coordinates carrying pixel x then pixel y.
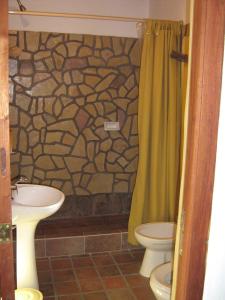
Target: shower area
{"type": "Point", "coordinates": [65, 90]}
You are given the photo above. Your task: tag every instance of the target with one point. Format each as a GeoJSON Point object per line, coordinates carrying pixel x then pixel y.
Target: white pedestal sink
{"type": "Point", "coordinates": [30, 204]}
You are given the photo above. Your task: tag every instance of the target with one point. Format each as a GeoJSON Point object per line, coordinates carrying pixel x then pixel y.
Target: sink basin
{"type": "Point", "coordinates": [33, 202]}
{"type": "Point", "coordinates": [30, 204]}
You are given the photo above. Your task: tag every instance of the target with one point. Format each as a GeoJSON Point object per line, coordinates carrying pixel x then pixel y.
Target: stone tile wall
{"type": "Point", "coordinates": [62, 89]}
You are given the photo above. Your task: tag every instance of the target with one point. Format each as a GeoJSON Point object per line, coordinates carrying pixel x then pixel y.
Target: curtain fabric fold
{"type": "Point", "coordinates": [156, 191]}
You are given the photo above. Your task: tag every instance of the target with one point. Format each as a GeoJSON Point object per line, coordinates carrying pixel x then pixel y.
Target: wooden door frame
{"type": "Point", "coordinates": [6, 249]}
{"type": "Point", "coordinates": [205, 92]}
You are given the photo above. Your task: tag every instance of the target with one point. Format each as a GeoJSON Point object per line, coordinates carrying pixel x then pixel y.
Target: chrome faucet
{"type": "Point", "coordinates": [17, 180]}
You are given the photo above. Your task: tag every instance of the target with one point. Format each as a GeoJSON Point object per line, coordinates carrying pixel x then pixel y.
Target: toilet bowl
{"type": "Point", "coordinates": [158, 239]}
{"type": "Point", "coordinates": [160, 281]}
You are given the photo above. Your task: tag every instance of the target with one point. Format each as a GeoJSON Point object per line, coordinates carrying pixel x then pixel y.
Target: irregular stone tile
{"type": "Point", "coordinates": [122, 91]}
{"type": "Point", "coordinates": [72, 48]}
{"type": "Point", "coordinates": [38, 122]}
{"type": "Point", "coordinates": [135, 54]}
{"type": "Point", "coordinates": [85, 51]}
{"type": "Point", "coordinates": [69, 112]}
{"type": "Point", "coordinates": [13, 112]}
{"type": "Point", "coordinates": [59, 162]}
{"type": "Point", "coordinates": [67, 78]}
{"type": "Point", "coordinates": [127, 128]}
{"type": "Point", "coordinates": [105, 96]}
{"type": "Point", "coordinates": [25, 56]}
{"type": "Point", "coordinates": [61, 49]}
{"type": "Point", "coordinates": [34, 137]}
{"type": "Point", "coordinates": [67, 188]}
{"type": "Point", "coordinates": [105, 83]}
{"type": "Point", "coordinates": [23, 141]}
{"type": "Point", "coordinates": [26, 160]}
{"type": "Point", "coordinates": [107, 42]}
{"type": "Point", "coordinates": [134, 129]}
{"type": "Point", "coordinates": [118, 61]}
{"type": "Point", "coordinates": [119, 145]}
{"type": "Point", "coordinates": [50, 64]}
{"type": "Point", "coordinates": [53, 137]}
{"type": "Point", "coordinates": [62, 90]}
{"type": "Point", "coordinates": [118, 82]}
{"type": "Point", "coordinates": [42, 54]}
{"type": "Point", "coordinates": [73, 91]}
{"type": "Point", "coordinates": [67, 125]}
{"type": "Point", "coordinates": [117, 46]}
{"type": "Point", "coordinates": [85, 89]}
{"type": "Point", "coordinates": [84, 180]}
{"type": "Point", "coordinates": [32, 41]}
{"type": "Point", "coordinates": [75, 63]}
{"type": "Point", "coordinates": [39, 66]}
{"type": "Point", "coordinates": [132, 167]}
{"type": "Point", "coordinates": [80, 147]}
{"type": "Point", "coordinates": [25, 119]}
{"type": "Point", "coordinates": [106, 54]}
{"type": "Point", "coordinates": [75, 164]}
{"type": "Point", "coordinates": [39, 174]}
{"type": "Point", "coordinates": [24, 81]}
{"type": "Point", "coordinates": [89, 135]}
{"type": "Point", "coordinates": [77, 76]}
{"type": "Point", "coordinates": [122, 103]}
{"type": "Point", "coordinates": [68, 139]}
{"type": "Point", "coordinates": [90, 168]}
{"type": "Point", "coordinates": [53, 41]}
{"type": "Point", "coordinates": [95, 185]}
{"type": "Point", "coordinates": [44, 88]}
{"type": "Point", "coordinates": [56, 149]}
{"type": "Point", "coordinates": [113, 168]}
{"type": "Point", "coordinates": [100, 162]}
{"type": "Point", "coordinates": [13, 67]}
{"type": "Point", "coordinates": [106, 145]}
{"type": "Point", "coordinates": [59, 60]}
{"type": "Point", "coordinates": [130, 153]}
{"type": "Point", "coordinates": [90, 70]}
{"type": "Point", "coordinates": [12, 41]}
{"type": "Point", "coordinates": [58, 174]}
{"type": "Point", "coordinates": [14, 52]}
{"type": "Point", "coordinates": [92, 97]}
{"type": "Point", "coordinates": [41, 77]}
{"type": "Point", "coordinates": [89, 40]}
{"type": "Point", "coordinates": [58, 76]}
{"type": "Point", "coordinates": [81, 119]}
{"type": "Point", "coordinates": [133, 94]}
{"type": "Point", "coordinates": [96, 61]}
{"type": "Point", "coordinates": [45, 162]}
{"type": "Point", "coordinates": [121, 187]}
{"type": "Point", "coordinates": [92, 80]}
{"type": "Point", "coordinates": [133, 108]}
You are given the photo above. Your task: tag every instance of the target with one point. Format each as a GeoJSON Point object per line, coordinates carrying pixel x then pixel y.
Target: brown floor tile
{"type": "Point", "coordinates": [47, 289]}
{"type": "Point", "coordinates": [43, 264]}
{"type": "Point", "coordinates": [44, 276]}
{"type": "Point", "coordinates": [123, 257]}
{"type": "Point", "coordinates": [144, 293]}
{"type": "Point", "coordinates": [61, 263]}
{"type": "Point", "coordinates": [103, 259]}
{"type": "Point", "coordinates": [93, 284]}
{"type": "Point", "coordinates": [114, 282]}
{"type": "Point", "coordinates": [49, 298]}
{"type": "Point", "coordinates": [131, 268]}
{"type": "Point", "coordinates": [95, 296]}
{"type": "Point", "coordinates": [66, 288]}
{"type": "Point", "coordinates": [63, 275]}
{"type": "Point", "coordinates": [71, 297]}
{"type": "Point", "coordinates": [108, 270]}
{"type": "Point", "coordinates": [121, 294]}
{"type": "Point", "coordinates": [137, 280]}
{"type": "Point", "coordinates": [82, 261]}
{"type": "Point", "coordinates": [138, 254]}
{"type": "Point", "coordinates": [86, 273]}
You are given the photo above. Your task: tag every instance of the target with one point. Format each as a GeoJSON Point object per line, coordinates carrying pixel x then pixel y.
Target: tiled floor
{"type": "Point", "coordinates": [102, 276]}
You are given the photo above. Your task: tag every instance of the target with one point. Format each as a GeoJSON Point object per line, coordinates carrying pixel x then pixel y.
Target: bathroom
{"type": "Point", "coordinates": [74, 96]}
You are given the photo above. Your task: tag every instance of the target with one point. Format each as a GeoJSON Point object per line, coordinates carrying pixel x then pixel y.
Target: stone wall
{"type": "Point", "coordinates": [62, 89]}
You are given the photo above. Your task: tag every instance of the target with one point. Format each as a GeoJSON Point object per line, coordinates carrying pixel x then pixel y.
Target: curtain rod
{"type": "Point", "coordinates": [74, 15]}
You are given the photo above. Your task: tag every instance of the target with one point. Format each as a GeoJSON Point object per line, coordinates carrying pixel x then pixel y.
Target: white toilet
{"type": "Point", "coordinates": [158, 239]}
{"type": "Point", "coordinates": [160, 281]}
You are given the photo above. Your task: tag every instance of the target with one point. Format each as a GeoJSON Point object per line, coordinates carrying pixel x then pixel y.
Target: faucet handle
{"type": "Point", "coordinates": [20, 179]}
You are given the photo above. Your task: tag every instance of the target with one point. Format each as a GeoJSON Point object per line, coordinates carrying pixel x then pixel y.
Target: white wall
{"type": "Point", "coordinates": [168, 9]}
{"type": "Point", "coordinates": [155, 9]}
{"type": "Point", "coordinates": [215, 266]}
{"type": "Point", "coordinates": [129, 8]}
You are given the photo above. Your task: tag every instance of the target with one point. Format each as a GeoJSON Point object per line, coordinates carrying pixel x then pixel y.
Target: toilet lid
{"type": "Point", "coordinates": [159, 230]}
{"type": "Point", "coordinates": [28, 294]}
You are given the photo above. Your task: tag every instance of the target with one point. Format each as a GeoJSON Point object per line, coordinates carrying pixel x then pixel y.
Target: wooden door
{"type": "Point", "coordinates": [6, 249]}
{"type": "Point", "coordinates": [205, 91]}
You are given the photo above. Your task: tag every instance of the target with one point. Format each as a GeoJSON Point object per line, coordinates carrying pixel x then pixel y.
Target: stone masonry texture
{"type": "Point", "coordinates": [63, 87]}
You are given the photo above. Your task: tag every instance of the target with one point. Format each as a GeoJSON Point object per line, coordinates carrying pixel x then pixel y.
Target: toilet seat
{"type": "Point", "coordinates": [158, 230]}
{"type": "Point", "coordinates": [160, 281]}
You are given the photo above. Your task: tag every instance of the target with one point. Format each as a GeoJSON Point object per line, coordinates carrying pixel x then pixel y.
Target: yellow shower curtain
{"type": "Point", "coordinates": [156, 191]}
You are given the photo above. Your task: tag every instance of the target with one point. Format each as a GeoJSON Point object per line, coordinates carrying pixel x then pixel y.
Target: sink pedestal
{"type": "Point", "coordinates": [26, 271]}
